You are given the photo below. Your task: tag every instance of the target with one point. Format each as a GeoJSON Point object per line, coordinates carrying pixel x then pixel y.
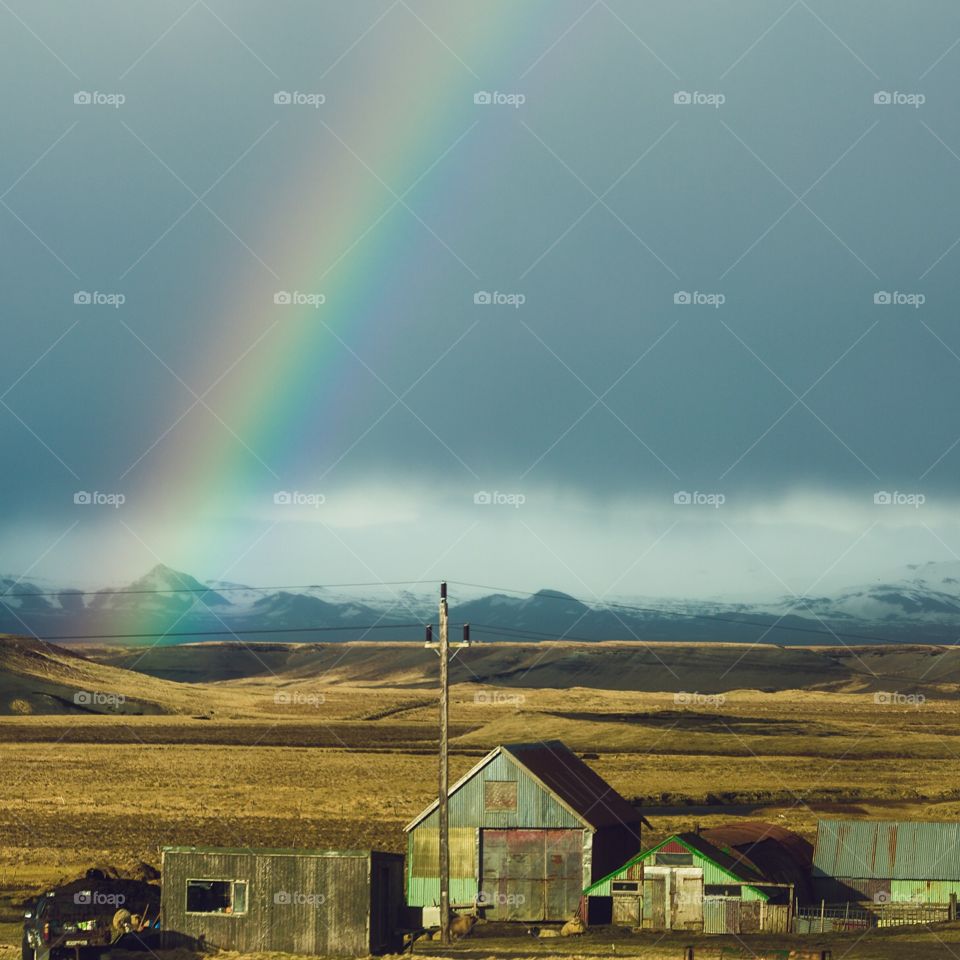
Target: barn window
{"type": "Point", "coordinates": [217, 896]}
{"type": "Point", "coordinates": [500, 795]}
{"type": "Point", "coordinates": [674, 859]}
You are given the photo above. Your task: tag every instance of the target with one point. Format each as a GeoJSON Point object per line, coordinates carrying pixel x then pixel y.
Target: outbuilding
{"type": "Point", "coordinates": [327, 902]}
{"type": "Point", "coordinates": [686, 882]}
{"type": "Point", "coordinates": [887, 861]}
{"type": "Point", "coordinates": [530, 826]}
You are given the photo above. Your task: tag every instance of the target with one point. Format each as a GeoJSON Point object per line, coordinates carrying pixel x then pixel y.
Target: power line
{"type": "Point", "coordinates": [229, 633]}
{"type": "Point", "coordinates": [70, 592]}
{"type": "Point", "coordinates": [510, 632]}
{"type": "Point", "coordinates": [712, 617]}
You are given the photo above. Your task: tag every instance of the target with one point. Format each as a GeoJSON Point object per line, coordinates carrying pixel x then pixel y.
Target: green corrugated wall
{"type": "Point", "coordinates": [923, 891]}
{"type": "Point", "coordinates": [536, 808]}
{"type": "Point", "coordinates": [712, 874]}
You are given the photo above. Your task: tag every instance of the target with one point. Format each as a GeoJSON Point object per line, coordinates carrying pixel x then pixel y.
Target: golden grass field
{"type": "Point", "coordinates": [330, 764]}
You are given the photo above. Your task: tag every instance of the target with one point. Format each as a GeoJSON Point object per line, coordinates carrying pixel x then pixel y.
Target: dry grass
{"type": "Point", "coordinates": [334, 765]}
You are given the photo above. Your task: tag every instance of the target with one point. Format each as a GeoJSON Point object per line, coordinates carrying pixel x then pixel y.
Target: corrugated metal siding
{"type": "Point", "coordinates": [887, 850]}
{"type": "Point", "coordinates": [923, 891]}
{"type": "Point", "coordinates": [536, 807]}
{"type": "Point", "coordinates": [296, 903]}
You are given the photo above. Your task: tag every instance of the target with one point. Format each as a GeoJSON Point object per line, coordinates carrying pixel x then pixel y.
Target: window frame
{"type": "Point", "coordinates": [233, 897]}
{"type": "Point", "coordinates": [502, 809]}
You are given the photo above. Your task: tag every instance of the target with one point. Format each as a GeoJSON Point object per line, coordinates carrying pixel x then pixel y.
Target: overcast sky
{"type": "Point", "coordinates": [725, 237]}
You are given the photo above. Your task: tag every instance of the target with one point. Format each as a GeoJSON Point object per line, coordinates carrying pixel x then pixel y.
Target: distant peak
{"type": "Point", "coordinates": [547, 594]}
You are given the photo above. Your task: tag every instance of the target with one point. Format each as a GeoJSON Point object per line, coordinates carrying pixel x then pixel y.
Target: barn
{"type": "Point", "coordinates": [686, 882]}
{"type": "Point", "coordinates": [294, 901]}
{"type": "Point", "coordinates": [530, 826]}
{"type": "Point", "coordinates": [884, 861]}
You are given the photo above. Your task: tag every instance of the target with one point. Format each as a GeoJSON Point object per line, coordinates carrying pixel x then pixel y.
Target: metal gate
{"type": "Point", "coordinates": [721, 915]}
{"type": "Point", "coordinates": [531, 874]}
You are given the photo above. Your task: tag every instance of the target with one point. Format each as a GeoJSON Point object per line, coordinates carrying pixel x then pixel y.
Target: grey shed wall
{"type": "Point", "coordinates": [310, 902]}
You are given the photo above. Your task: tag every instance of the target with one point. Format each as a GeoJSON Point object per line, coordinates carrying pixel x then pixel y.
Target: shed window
{"type": "Point", "coordinates": [217, 896]}
{"type": "Point", "coordinates": [674, 859]}
{"type": "Point", "coordinates": [720, 890]}
{"type": "Point", "coordinates": [500, 795]}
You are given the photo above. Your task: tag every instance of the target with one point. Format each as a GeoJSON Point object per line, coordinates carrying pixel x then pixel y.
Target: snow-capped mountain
{"type": "Point", "coordinates": [917, 603]}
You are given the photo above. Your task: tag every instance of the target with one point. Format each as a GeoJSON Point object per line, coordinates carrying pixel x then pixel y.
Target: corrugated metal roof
{"type": "Point", "coordinates": [560, 771]}
{"type": "Point", "coordinates": [886, 849]}
{"type": "Point", "coordinates": [778, 854]}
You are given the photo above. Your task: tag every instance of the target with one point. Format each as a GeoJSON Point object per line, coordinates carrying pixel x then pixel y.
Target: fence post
{"type": "Point", "coordinates": [688, 953]}
{"type": "Point", "coordinates": [952, 913]}
{"type": "Point", "coordinates": [823, 907]}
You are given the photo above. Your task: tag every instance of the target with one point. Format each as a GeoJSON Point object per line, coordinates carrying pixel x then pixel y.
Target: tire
{"type": "Point", "coordinates": [26, 951]}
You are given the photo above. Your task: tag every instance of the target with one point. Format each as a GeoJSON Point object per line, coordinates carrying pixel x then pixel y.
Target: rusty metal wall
{"type": "Point", "coordinates": [297, 903]}
{"type": "Point", "coordinates": [531, 874]}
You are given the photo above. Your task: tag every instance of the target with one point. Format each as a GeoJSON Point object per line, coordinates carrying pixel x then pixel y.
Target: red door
{"type": "Point", "coordinates": [531, 874]}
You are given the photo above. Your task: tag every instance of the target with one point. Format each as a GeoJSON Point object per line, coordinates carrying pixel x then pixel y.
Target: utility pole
{"type": "Point", "coordinates": [443, 649]}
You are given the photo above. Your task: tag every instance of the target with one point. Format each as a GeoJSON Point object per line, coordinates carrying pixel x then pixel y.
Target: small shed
{"type": "Point", "coordinates": [328, 902]}
{"type": "Point", "coordinates": [687, 883]}
{"type": "Point", "coordinates": [886, 861]}
{"type": "Point", "coordinates": [530, 825]}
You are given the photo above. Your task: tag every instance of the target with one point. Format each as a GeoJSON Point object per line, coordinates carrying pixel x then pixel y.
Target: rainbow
{"type": "Point", "coordinates": [287, 387]}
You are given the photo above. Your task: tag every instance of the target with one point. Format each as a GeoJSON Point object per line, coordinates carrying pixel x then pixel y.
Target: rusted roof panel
{"type": "Point", "coordinates": [882, 849]}
{"type": "Point", "coordinates": [561, 771]}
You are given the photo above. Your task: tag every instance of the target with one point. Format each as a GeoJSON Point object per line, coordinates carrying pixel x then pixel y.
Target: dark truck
{"type": "Point", "coordinates": [82, 919]}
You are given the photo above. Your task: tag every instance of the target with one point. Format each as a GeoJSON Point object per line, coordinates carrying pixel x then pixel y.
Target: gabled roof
{"type": "Point", "coordinates": [778, 854]}
{"type": "Point", "coordinates": [887, 850]}
{"type": "Point", "coordinates": [577, 787]}
{"type": "Point", "coordinates": [738, 870]}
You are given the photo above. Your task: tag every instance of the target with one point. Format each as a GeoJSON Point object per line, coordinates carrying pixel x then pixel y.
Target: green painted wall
{"type": "Point", "coordinates": [923, 891]}
{"type": "Point", "coordinates": [536, 808]}
{"type": "Point", "coordinates": [712, 874]}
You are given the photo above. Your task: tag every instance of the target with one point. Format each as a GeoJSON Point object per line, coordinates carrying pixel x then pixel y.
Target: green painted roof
{"type": "Point", "coordinates": [723, 861]}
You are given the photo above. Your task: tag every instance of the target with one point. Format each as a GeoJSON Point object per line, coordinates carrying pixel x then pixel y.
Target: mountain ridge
{"type": "Point", "coordinates": [919, 603]}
